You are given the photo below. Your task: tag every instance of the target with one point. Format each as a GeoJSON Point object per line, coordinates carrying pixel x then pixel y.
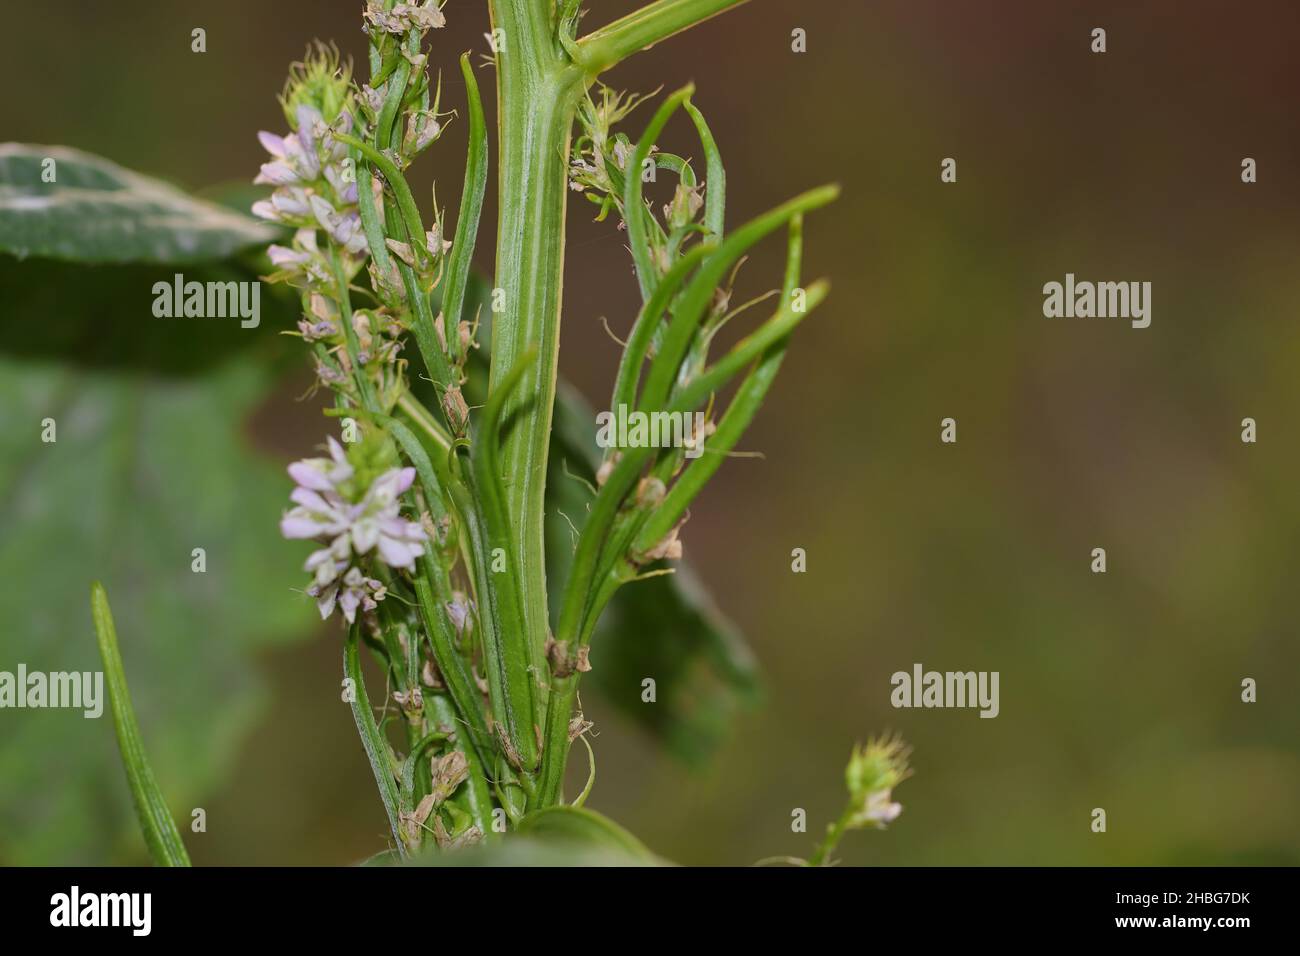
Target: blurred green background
{"type": "Point", "coordinates": [1119, 691]}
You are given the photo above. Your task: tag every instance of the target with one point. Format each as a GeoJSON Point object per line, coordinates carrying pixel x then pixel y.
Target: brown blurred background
{"type": "Point", "coordinates": [1119, 690]}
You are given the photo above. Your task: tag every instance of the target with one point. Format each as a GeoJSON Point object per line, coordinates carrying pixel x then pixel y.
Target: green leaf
{"type": "Point", "coordinates": [165, 844]}
{"type": "Point", "coordinates": [96, 211]}
{"type": "Point", "coordinates": [526, 851]}
{"type": "Point", "coordinates": [665, 627]}
{"type": "Point", "coordinates": [145, 469]}
{"type": "Point", "coordinates": [471, 207]}
{"type": "Point", "coordinates": [582, 827]}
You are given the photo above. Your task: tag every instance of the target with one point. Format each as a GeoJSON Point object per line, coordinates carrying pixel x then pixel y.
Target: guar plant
{"type": "Point", "coordinates": [429, 507]}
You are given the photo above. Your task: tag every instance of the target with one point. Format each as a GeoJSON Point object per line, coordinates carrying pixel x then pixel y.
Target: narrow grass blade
{"type": "Point", "coordinates": [377, 750]}
{"type": "Point", "coordinates": [156, 821]}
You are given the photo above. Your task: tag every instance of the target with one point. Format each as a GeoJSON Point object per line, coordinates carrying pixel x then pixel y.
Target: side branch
{"type": "Point", "coordinates": [608, 46]}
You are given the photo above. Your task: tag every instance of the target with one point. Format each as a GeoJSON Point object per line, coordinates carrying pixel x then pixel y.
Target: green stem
{"type": "Point", "coordinates": [349, 331]}
{"type": "Point", "coordinates": [834, 833]}
{"type": "Point", "coordinates": [512, 661]}
{"type": "Point", "coordinates": [537, 95]}
{"type": "Point", "coordinates": [401, 190]}
{"type": "Point", "coordinates": [538, 89]}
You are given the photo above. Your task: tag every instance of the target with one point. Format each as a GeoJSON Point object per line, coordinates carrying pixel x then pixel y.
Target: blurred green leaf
{"type": "Point", "coordinates": [96, 211]}
{"type": "Point", "coordinates": [666, 628]}
{"type": "Point", "coordinates": [527, 851]}
{"type": "Point", "coordinates": [102, 316]}
{"type": "Point", "coordinates": [576, 826]}
{"type": "Point", "coordinates": [144, 470]}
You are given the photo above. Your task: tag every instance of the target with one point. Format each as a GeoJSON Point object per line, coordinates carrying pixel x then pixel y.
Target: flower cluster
{"type": "Point", "coordinates": [316, 193]}
{"type": "Point", "coordinates": [600, 155]}
{"type": "Point", "coordinates": [315, 186]}
{"type": "Point", "coordinates": [873, 771]}
{"type": "Point", "coordinates": [355, 522]}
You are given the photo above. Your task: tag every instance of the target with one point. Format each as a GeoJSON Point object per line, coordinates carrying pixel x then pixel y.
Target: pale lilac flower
{"type": "Point", "coordinates": [335, 150]}
{"type": "Point", "coordinates": [353, 529]}
{"type": "Point", "coordinates": [291, 202]}
{"type": "Point", "coordinates": [346, 191]}
{"type": "Point", "coordinates": [288, 204]}
{"type": "Point", "coordinates": [374, 98]}
{"type": "Point", "coordinates": [315, 331]}
{"type": "Point", "coordinates": [321, 319]}
{"type": "Point", "coordinates": [306, 167]}
{"type": "Point", "coordinates": [329, 375]}
{"type": "Point", "coordinates": [880, 809]}
{"type": "Point", "coordinates": [349, 592]}
{"type": "Point", "coordinates": [302, 146]}
{"type": "Point", "coordinates": [328, 564]}
{"type": "Point", "coordinates": [276, 173]}
{"type": "Point", "coordinates": [344, 228]}
{"type": "Point", "coordinates": [377, 522]}
{"type": "Point", "coordinates": [323, 474]}
{"type": "Point", "coordinates": [272, 143]}
{"type": "Point", "coordinates": [282, 257]}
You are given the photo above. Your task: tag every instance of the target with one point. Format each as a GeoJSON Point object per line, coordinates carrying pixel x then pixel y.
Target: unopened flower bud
{"type": "Point", "coordinates": [453, 405]}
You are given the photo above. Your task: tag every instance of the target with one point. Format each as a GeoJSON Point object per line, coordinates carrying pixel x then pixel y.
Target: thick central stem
{"type": "Point", "coordinates": [537, 94]}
